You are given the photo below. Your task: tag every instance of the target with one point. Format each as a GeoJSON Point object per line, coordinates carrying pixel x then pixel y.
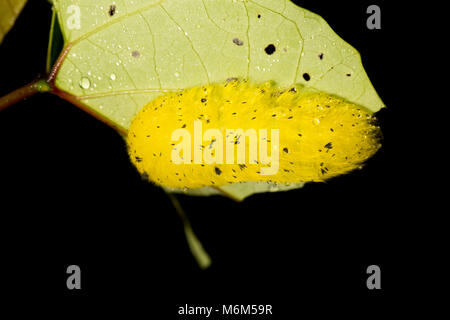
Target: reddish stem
{"type": "Point", "coordinates": [24, 92]}
{"type": "Point", "coordinates": [48, 85]}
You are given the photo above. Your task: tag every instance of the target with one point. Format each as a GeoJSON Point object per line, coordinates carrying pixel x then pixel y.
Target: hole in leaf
{"type": "Point", "coordinates": [112, 10]}
{"type": "Point", "coordinates": [270, 49]}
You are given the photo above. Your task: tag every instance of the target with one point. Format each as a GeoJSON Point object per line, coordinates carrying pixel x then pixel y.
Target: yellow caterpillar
{"type": "Point", "coordinates": [219, 134]}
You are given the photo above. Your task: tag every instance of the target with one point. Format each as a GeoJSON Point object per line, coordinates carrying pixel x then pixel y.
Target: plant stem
{"type": "Point", "coordinates": [24, 92]}
{"type": "Point", "coordinates": [197, 250]}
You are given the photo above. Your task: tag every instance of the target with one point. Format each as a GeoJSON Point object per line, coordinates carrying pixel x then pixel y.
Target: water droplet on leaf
{"type": "Point", "coordinates": [85, 83]}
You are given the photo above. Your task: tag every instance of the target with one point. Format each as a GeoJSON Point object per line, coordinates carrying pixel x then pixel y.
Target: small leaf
{"type": "Point", "coordinates": [9, 11]}
{"type": "Point", "coordinates": [119, 56]}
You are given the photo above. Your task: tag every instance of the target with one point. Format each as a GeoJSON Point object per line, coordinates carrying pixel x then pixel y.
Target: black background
{"type": "Point", "coordinates": [69, 195]}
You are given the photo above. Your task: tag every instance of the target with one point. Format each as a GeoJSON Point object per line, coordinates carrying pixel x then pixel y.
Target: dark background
{"type": "Point", "coordinates": [69, 195]}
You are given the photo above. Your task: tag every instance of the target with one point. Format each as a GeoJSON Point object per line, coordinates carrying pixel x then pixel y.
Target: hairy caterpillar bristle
{"type": "Point", "coordinates": [320, 136]}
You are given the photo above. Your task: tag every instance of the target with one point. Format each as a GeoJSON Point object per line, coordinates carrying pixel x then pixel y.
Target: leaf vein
{"type": "Point", "coordinates": [190, 41]}
{"type": "Point", "coordinates": [154, 48]}
{"type": "Point", "coordinates": [298, 31]}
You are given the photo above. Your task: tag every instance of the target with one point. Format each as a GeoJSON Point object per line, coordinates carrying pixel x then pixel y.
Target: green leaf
{"type": "Point", "coordinates": [9, 11]}
{"type": "Point", "coordinates": [119, 55]}
{"type": "Point", "coordinates": [239, 191]}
